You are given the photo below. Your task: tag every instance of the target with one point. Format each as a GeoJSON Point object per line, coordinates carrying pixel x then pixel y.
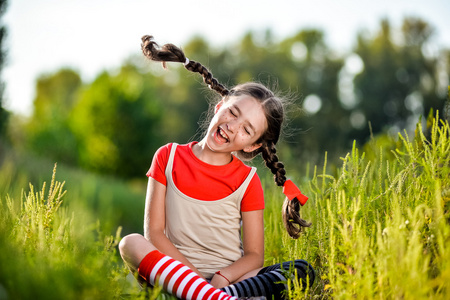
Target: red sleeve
{"type": "Point", "coordinates": [158, 167]}
{"type": "Point", "coordinates": [253, 196]}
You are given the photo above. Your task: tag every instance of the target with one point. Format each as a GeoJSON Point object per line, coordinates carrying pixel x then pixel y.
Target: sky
{"type": "Point", "coordinates": [90, 36]}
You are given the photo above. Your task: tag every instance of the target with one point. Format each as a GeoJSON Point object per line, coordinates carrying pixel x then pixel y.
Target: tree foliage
{"type": "Point", "coordinates": [115, 123]}
{"type": "Point", "coordinates": [398, 81]}
{"type": "Point", "coordinates": [48, 130]}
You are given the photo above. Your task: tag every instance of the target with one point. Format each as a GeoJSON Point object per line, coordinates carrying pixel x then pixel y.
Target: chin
{"type": "Point", "coordinates": [208, 144]}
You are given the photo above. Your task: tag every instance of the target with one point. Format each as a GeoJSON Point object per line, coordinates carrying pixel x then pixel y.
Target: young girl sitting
{"type": "Point", "coordinates": [201, 197]}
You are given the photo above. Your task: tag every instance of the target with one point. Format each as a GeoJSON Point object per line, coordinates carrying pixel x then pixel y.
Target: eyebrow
{"type": "Point", "coordinates": [240, 112]}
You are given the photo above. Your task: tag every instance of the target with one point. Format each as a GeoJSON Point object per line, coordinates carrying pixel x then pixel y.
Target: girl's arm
{"type": "Point", "coordinates": [253, 259]}
{"type": "Point", "coordinates": [155, 222]}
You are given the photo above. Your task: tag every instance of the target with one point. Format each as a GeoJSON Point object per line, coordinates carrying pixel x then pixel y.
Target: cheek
{"type": "Point", "coordinates": [223, 117]}
{"type": "Point", "coordinates": [245, 139]}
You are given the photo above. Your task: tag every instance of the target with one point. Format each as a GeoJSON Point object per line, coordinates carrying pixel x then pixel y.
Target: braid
{"type": "Point", "coordinates": [208, 78]}
{"type": "Point", "coordinates": [272, 162]}
{"type": "Point", "coordinates": [170, 52]}
{"type": "Point", "coordinates": [292, 220]}
{"type": "Point", "coordinates": [291, 208]}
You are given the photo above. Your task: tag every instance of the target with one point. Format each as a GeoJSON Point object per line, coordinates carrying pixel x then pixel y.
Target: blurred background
{"type": "Point", "coordinates": [77, 91]}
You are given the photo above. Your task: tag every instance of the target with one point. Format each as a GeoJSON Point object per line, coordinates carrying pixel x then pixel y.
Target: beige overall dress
{"type": "Point", "coordinates": [207, 233]}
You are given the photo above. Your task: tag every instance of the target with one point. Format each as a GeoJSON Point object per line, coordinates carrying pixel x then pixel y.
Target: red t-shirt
{"type": "Point", "coordinates": [203, 181]}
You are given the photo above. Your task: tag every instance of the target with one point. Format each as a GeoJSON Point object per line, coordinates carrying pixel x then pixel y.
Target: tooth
{"type": "Point", "coordinates": [222, 134]}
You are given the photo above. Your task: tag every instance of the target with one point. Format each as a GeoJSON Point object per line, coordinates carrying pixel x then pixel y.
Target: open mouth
{"type": "Point", "coordinates": [222, 135]}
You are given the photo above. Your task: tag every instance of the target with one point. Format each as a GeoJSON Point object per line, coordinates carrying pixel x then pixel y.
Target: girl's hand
{"type": "Point", "coordinates": [253, 259]}
{"type": "Point", "coordinates": [218, 281]}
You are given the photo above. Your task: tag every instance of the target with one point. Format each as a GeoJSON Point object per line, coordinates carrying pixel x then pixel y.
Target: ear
{"type": "Point", "coordinates": [218, 106]}
{"type": "Point", "coordinates": [252, 147]}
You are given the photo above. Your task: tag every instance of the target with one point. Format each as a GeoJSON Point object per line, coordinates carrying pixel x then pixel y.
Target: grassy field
{"type": "Point", "coordinates": [381, 226]}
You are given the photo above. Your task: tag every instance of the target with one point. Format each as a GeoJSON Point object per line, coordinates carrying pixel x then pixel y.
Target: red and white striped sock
{"type": "Point", "coordinates": [177, 279]}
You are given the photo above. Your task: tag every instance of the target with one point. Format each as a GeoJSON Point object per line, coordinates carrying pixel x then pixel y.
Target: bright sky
{"type": "Point", "coordinates": [93, 35]}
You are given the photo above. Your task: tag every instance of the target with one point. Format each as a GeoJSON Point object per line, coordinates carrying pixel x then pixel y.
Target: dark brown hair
{"type": "Point", "coordinates": [273, 109]}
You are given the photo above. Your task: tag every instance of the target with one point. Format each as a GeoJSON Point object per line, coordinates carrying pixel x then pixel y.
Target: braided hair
{"type": "Point", "coordinates": [170, 52]}
{"type": "Point", "coordinates": [273, 110]}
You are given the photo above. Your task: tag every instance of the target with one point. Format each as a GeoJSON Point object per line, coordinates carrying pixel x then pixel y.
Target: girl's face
{"type": "Point", "coordinates": [237, 124]}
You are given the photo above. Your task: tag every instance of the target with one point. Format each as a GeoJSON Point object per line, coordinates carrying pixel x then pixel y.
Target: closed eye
{"type": "Point", "coordinates": [247, 131]}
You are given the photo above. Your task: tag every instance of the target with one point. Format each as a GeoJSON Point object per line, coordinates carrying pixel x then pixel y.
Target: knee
{"type": "Point", "coordinates": [128, 242]}
{"type": "Point", "coordinates": [305, 271]}
{"type": "Point", "coordinates": [133, 248]}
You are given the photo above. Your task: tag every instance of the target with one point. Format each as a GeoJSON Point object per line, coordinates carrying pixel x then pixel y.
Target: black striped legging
{"type": "Point", "coordinates": [271, 281]}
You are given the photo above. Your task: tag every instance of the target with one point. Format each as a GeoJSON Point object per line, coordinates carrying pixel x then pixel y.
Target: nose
{"type": "Point", "coordinates": [232, 126]}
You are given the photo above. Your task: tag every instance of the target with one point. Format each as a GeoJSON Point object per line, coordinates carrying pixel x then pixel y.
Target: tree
{"type": "Point", "coordinates": [48, 130]}
{"type": "Point", "coordinates": [313, 71]}
{"type": "Point", "coordinates": [117, 123]}
{"type": "Point", "coordinates": [3, 112]}
{"type": "Point", "coordinates": [398, 81]}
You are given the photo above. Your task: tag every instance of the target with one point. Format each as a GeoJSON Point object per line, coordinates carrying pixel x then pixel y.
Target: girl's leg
{"type": "Point", "coordinates": [270, 281]}
{"type": "Point", "coordinates": [157, 268]}
{"type": "Point", "coordinates": [133, 248]}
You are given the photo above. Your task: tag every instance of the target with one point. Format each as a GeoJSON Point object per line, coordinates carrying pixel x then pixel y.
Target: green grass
{"type": "Point", "coordinates": [381, 226]}
{"type": "Point", "coordinates": [112, 200]}
{"type": "Point", "coordinates": [50, 252]}
{"type": "Point", "coordinates": [381, 222]}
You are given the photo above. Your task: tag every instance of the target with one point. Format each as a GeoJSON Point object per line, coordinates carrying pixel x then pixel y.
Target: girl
{"type": "Point", "coordinates": [200, 194]}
